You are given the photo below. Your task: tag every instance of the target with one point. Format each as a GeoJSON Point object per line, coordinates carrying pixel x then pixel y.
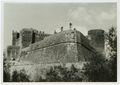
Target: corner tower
{"type": "Point", "coordinates": [26, 36]}
{"type": "Point", "coordinates": [97, 39]}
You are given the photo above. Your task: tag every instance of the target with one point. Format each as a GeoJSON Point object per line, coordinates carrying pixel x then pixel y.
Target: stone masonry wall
{"type": "Point", "coordinates": [66, 47]}
{"type": "Point", "coordinates": [84, 49]}
{"type": "Point", "coordinates": [58, 48]}
{"type": "Point", "coordinates": [36, 70]}
{"type": "Point", "coordinates": [13, 52]}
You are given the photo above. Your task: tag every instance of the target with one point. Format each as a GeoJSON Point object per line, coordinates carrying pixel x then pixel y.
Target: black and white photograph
{"type": "Point", "coordinates": [60, 42]}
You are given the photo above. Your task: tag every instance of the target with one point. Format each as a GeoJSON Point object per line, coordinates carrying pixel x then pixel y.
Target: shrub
{"type": "Point", "coordinates": [6, 76]}
{"type": "Point", "coordinates": [20, 76]}
{"type": "Point", "coordinates": [63, 74]}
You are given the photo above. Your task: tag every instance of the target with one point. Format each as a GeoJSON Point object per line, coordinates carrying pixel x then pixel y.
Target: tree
{"type": "Point", "coordinates": [111, 45]}
{"type": "Point", "coordinates": [111, 38]}
{"type": "Point", "coordinates": [20, 76]}
{"type": "Point", "coordinates": [62, 74]}
{"type": "Point", "coordinates": [96, 69]}
{"type": "Point", "coordinates": [15, 76]}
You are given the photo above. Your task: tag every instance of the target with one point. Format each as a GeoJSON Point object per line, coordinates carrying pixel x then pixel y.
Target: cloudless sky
{"type": "Point", "coordinates": [48, 17]}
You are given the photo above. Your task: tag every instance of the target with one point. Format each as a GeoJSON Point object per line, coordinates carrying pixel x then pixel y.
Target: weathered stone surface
{"type": "Point", "coordinates": [36, 70]}
{"type": "Point", "coordinates": [66, 47]}
{"type": "Point", "coordinates": [27, 36]}
{"type": "Point", "coordinates": [62, 37]}
{"type": "Point", "coordinates": [97, 39]}
{"type": "Point", "coordinates": [13, 52]}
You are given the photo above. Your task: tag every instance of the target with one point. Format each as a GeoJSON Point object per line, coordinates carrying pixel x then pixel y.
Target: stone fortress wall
{"type": "Point", "coordinates": [22, 40]}
{"type": "Point", "coordinates": [12, 52]}
{"type": "Point", "coordinates": [62, 47]}
{"type": "Point", "coordinates": [66, 46]}
{"type": "Point", "coordinates": [36, 51]}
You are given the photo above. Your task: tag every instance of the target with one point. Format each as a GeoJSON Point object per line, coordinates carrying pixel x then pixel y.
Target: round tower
{"type": "Point", "coordinates": [97, 39]}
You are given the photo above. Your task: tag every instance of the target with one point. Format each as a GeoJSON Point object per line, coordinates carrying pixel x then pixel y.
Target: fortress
{"type": "Point", "coordinates": [32, 49]}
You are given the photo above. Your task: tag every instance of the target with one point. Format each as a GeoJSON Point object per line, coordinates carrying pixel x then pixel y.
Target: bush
{"type": "Point", "coordinates": [6, 70]}
{"type": "Point", "coordinates": [20, 76]}
{"type": "Point", "coordinates": [6, 76]}
{"type": "Point", "coordinates": [96, 70]}
{"type": "Point", "coordinates": [62, 74]}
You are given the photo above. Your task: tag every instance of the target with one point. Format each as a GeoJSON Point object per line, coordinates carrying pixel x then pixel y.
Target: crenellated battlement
{"type": "Point", "coordinates": [27, 36]}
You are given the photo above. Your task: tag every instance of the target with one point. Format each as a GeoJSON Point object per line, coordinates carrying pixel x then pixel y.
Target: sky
{"type": "Point", "coordinates": [48, 17]}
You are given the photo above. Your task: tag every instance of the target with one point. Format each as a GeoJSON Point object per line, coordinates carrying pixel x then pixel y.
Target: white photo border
{"type": "Point", "coordinates": [58, 1]}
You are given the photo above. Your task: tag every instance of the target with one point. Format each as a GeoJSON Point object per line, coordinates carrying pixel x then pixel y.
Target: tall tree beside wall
{"type": "Point", "coordinates": [112, 52]}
